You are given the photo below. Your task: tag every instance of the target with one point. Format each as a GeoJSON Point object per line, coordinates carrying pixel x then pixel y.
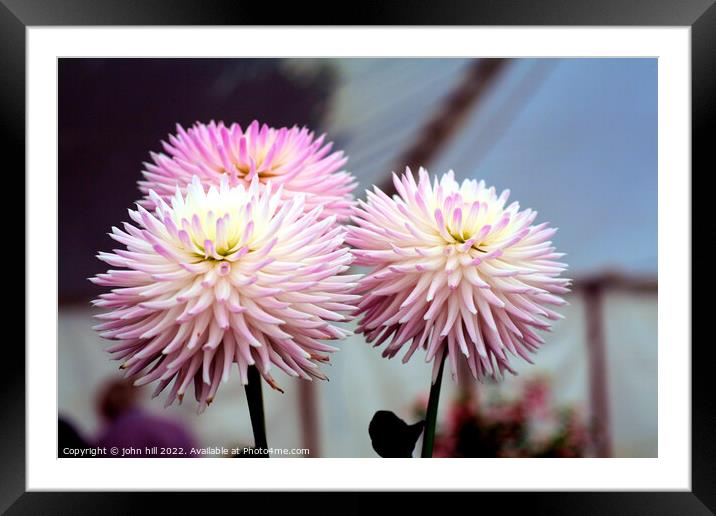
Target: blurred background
{"type": "Point", "coordinates": [575, 139]}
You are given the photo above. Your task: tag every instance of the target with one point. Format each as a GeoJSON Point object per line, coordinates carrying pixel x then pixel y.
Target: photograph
{"type": "Point", "coordinates": [357, 257]}
{"type": "Point", "coordinates": [435, 250]}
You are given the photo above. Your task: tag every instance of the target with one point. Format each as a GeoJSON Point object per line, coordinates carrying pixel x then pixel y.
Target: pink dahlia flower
{"type": "Point", "coordinates": [223, 276]}
{"type": "Point", "coordinates": [456, 271]}
{"type": "Point", "coordinates": [291, 158]}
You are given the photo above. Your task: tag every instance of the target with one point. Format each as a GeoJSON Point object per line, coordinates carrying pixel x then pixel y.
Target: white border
{"type": "Point", "coordinates": [670, 471]}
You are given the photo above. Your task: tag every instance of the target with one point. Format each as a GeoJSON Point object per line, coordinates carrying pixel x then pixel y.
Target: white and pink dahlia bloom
{"type": "Point", "coordinates": [456, 271]}
{"type": "Point", "coordinates": [228, 275]}
{"type": "Point", "coordinates": [290, 157]}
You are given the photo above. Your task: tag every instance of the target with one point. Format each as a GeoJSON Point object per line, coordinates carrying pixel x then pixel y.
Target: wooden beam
{"type": "Point", "coordinates": [617, 281]}
{"type": "Point", "coordinates": [448, 118]}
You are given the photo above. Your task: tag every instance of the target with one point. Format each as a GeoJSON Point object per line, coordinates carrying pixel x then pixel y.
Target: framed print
{"type": "Point", "coordinates": [460, 235]}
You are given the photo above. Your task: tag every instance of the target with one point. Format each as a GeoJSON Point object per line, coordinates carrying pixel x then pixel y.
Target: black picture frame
{"type": "Point", "coordinates": [17, 15]}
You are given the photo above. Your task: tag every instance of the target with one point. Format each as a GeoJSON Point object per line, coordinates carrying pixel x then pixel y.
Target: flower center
{"type": "Point", "coordinates": [459, 236]}
{"type": "Point", "coordinates": [244, 169]}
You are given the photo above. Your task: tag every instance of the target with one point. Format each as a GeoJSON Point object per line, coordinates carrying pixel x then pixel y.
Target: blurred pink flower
{"type": "Point", "coordinates": [222, 276]}
{"type": "Point", "coordinates": [288, 157]}
{"type": "Point", "coordinates": [536, 396]}
{"type": "Point", "coordinates": [454, 271]}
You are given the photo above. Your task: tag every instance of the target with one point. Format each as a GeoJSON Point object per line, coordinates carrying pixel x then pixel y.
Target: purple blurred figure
{"type": "Point", "coordinates": [135, 432]}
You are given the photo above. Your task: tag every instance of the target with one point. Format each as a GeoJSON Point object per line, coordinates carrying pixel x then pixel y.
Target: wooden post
{"type": "Point", "coordinates": [309, 418]}
{"type": "Point", "coordinates": [596, 349]}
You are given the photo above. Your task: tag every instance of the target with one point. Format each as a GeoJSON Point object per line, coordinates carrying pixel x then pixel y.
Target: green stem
{"type": "Point", "coordinates": [256, 408]}
{"type": "Point", "coordinates": [432, 413]}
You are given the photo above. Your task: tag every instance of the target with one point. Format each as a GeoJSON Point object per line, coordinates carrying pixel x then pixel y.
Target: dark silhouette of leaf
{"type": "Point", "coordinates": [393, 437]}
